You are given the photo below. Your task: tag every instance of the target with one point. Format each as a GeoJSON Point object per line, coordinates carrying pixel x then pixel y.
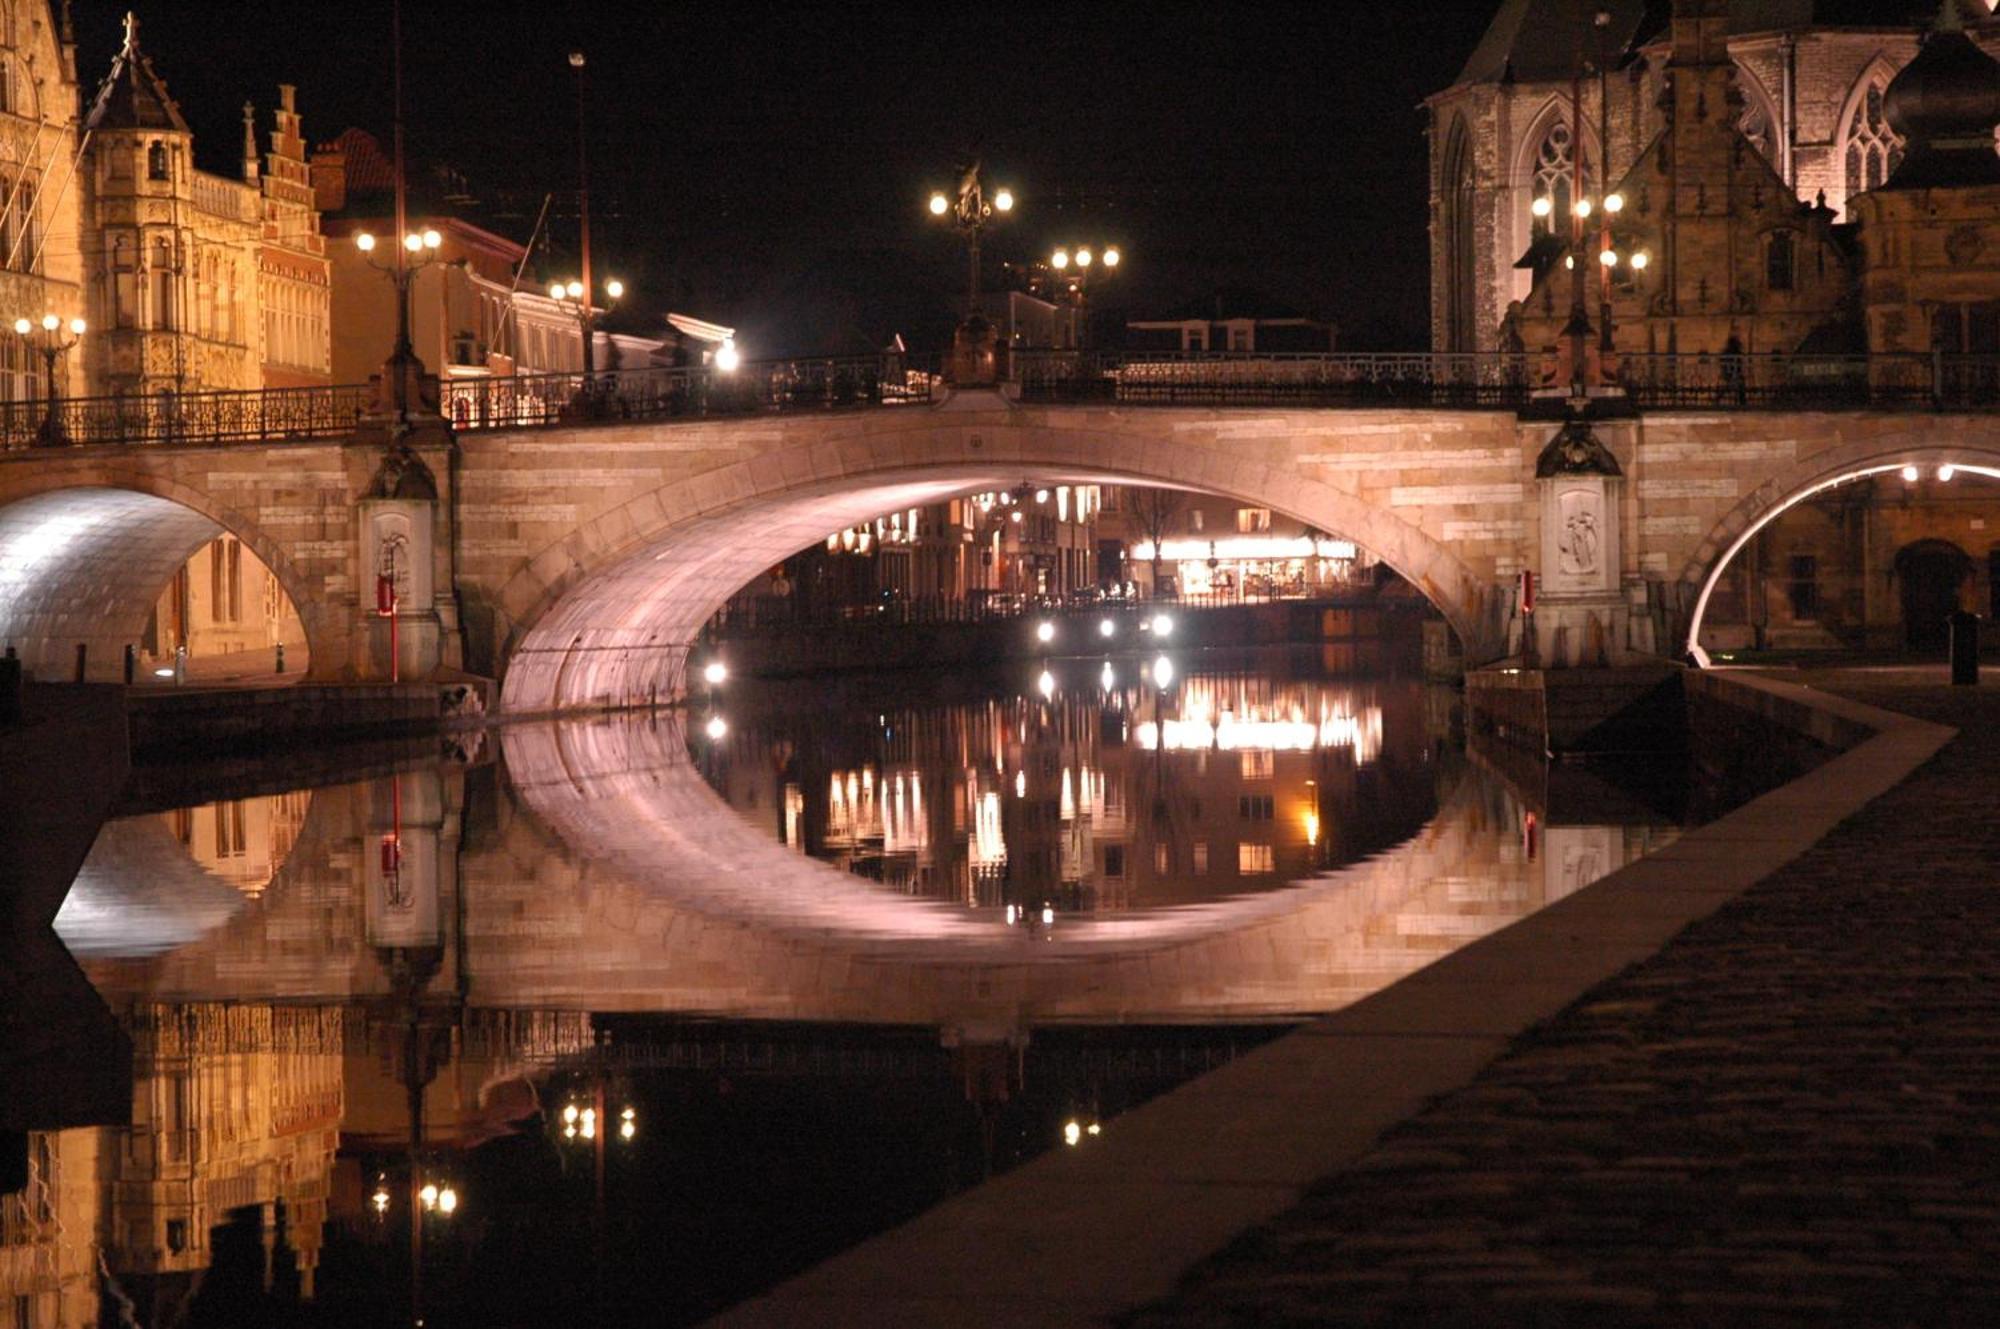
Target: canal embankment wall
{"type": "Point", "coordinates": [1246, 1143]}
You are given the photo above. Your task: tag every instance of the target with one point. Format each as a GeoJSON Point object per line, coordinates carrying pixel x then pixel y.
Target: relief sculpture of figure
{"type": "Point", "coordinates": [1578, 543]}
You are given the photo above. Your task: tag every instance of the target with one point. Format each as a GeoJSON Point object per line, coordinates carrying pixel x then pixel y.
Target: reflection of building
{"type": "Point", "coordinates": [243, 841]}
{"type": "Point", "coordinates": [48, 1264]}
{"type": "Point", "coordinates": [1107, 795]}
{"type": "Point", "coordinates": [235, 1107]}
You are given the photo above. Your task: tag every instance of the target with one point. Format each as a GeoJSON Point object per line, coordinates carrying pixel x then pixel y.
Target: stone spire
{"type": "Point", "coordinates": [133, 95]}
{"type": "Point", "coordinates": [250, 141]}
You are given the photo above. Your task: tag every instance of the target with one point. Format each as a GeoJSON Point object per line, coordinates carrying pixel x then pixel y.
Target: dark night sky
{"type": "Point", "coordinates": [767, 165]}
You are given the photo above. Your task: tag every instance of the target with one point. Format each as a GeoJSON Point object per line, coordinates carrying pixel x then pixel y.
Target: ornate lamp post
{"type": "Point", "coordinates": [612, 289]}
{"type": "Point", "coordinates": [50, 338]}
{"type": "Point", "coordinates": [418, 250]}
{"type": "Point", "coordinates": [574, 297]}
{"type": "Point", "coordinates": [973, 358]}
{"type": "Point", "coordinates": [1071, 269]}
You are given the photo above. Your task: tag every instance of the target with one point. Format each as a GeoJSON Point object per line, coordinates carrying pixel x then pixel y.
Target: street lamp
{"type": "Point", "coordinates": [970, 213]}
{"type": "Point", "coordinates": [1066, 279]}
{"type": "Point", "coordinates": [583, 218]}
{"type": "Point", "coordinates": [51, 338]}
{"type": "Point", "coordinates": [574, 298]}
{"type": "Point", "coordinates": [418, 250]}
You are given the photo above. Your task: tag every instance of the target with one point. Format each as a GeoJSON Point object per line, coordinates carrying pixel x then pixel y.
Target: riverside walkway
{"type": "Point", "coordinates": [1789, 1114]}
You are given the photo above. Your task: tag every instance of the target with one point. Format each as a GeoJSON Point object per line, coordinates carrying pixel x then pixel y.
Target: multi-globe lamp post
{"type": "Point", "coordinates": [416, 251]}
{"type": "Point", "coordinates": [1073, 267]}
{"type": "Point", "coordinates": [575, 299]}
{"type": "Point", "coordinates": [973, 354]}
{"type": "Point", "coordinates": [50, 338]}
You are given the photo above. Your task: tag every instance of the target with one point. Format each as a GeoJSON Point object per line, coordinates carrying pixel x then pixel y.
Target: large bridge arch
{"type": "Point", "coordinates": [605, 614]}
{"type": "Point", "coordinates": [86, 552]}
{"type": "Point", "coordinates": [1973, 454]}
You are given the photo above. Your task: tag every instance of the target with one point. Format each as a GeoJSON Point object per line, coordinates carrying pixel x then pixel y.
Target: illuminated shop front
{"type": "Point", "coordinates": [1253, 566]}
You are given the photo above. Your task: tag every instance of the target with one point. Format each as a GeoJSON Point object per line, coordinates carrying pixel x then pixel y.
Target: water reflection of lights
{"type": "Point", "coordinates": [1107, 628]}
{"type": "Point", "coordinates": [1233, 734]}
{"type": "Point", "coordinates": [1046, 684]}
{"type": "Point", "coordinates": [716, 727]}
{"type": "Point", "coordinates": [1163, 626]}
{"type": "Point", "coordinates": [1163, 672]}
{"type": "Point", "coordinates": [1020, 784]}
{"type": "Point", "coordinates": [1106, 677]}
{"type": "Point", "coordinates": [1045, 632]}
{"type": "Point", "coordinates": [714, 673]}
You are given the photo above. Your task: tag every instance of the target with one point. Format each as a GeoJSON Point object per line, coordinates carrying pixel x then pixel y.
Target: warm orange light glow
{"type": "Point", "coordinates": [365, 242]}
{"type": "Point", "coordinates": [1641, 259]}
{"type": "Point", "coordinates": [1004, 200]}
{"type": "Point", "coordinates": [938, 205]}
{"type": "Point", "coordinates": [78, 326]}
{"type": "Point", "coordinates": [615, 289]}
{"type": "Point", "coordinates": [1542, 207]}
{"type": "Point", "coordinates": [1111, 257]}
{"type": "Point", "coordinates": [1614, 203]}
{"type": "Point", "coordinates": [1059, 260]}
{"type": "Point", "coordinates": [1083, 257]}
{"type": "Point", "coordinates": [22, 326]}
{"type": "Point", "coordinates": [50, 322]}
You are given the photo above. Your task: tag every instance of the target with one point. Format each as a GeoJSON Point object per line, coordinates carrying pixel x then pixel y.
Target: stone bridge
{"type": "Point", "coordinates": [576, 562]}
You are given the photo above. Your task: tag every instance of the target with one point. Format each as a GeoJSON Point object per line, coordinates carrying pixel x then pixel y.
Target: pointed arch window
{"type": "Point", "coordinates": [1873, 149]}
{"type": "Point", "coordinates": [156, 162]}
{"type": "Point", "coordinates": [1555, 168]}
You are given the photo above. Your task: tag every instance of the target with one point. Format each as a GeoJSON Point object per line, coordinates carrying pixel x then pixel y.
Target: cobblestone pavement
{"type": "Point", "coordinates": [1791, 1114]}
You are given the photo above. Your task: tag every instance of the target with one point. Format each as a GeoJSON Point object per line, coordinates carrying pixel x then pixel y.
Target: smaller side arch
{"type": "Point", "coordinates": [84, 555]}
{"type": "Point", "coordinates": [1798, 483]}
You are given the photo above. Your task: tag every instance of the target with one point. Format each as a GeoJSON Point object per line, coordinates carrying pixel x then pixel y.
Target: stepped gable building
{"type": "Point", "coordinates": [197, 281]}
{"type": "Point", "coordinates": [1808, 97]}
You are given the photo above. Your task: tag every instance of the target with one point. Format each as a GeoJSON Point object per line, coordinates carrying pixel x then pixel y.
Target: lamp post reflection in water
{"type": "Point", "coordinates": [586, 1125]}
{"type": "Point", "coordinates": [404, 920]}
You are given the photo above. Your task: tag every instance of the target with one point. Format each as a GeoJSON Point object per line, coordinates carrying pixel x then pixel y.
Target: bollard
{"type": "Point", "coordinates": [180, 664]}
{"type": "Point", "coordinates": [1964, 649]}
{"type": "Point", "coordinates": [281, 657]}
{"type": "Point", "coordinates": [82, 659]}
{"type": "Point", "coordinates": [10, 688]}
{"type": "Point", "coordinates": [131, 663]}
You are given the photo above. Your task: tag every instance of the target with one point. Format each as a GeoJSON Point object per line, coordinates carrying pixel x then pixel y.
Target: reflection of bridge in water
{"type": "Point", "coordinates": [605, 876]}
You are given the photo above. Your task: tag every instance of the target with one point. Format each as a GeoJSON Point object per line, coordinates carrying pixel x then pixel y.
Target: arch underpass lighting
{"type": "Point", "coordinates": [1908, 471]}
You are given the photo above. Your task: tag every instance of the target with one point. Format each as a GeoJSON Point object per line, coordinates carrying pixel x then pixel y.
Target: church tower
{"type": "Point", "coordinates": [1700, 246]}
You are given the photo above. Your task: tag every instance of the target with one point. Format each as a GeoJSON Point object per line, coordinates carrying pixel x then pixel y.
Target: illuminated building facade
{"type": "Point", "coordinates": [41, 269]}
{"type": "Point", "coordinates": [474, 312]}
{"type": "Point", "coordinates": [1807, 99]}
{"type": "Point", "coordinates": [1198, 546]}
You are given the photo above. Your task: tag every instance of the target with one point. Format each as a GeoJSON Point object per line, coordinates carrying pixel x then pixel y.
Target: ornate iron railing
{"type": "Point", "coordinates": [1489, 380]}
{"type": "Point", "coordinates": [1482, 380]}
{"type": "Point", "coordinates": [653, 394]}
{"type": "Point", "coordinates": [1246, 378]}
{"type": "Point", "coordinates": [1813, 382]}
{"type": "Point", "coordinates": [272, 414]}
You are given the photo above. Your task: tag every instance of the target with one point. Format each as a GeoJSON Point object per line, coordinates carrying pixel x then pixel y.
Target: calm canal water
{"type": "Point", "coordinates": [640, 1014]}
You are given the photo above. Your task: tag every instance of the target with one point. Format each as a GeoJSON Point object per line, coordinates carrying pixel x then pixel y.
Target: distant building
{"type": "Point", "coordinates": [1233, 322]}
{"type": "Point", "coordinates": [475, 310]}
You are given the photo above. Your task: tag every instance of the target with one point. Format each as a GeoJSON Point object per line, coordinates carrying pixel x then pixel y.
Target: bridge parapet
{"type": "Point", "coordinates": [1447, 381]}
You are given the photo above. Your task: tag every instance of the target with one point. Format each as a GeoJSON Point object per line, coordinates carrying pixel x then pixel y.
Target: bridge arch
{"type": "Point", "coordinates": [85, 554]}
{"type": "Point", "coordinates": [608, 614]}
{"type": "Point", "coordinates": [1805, 480]}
